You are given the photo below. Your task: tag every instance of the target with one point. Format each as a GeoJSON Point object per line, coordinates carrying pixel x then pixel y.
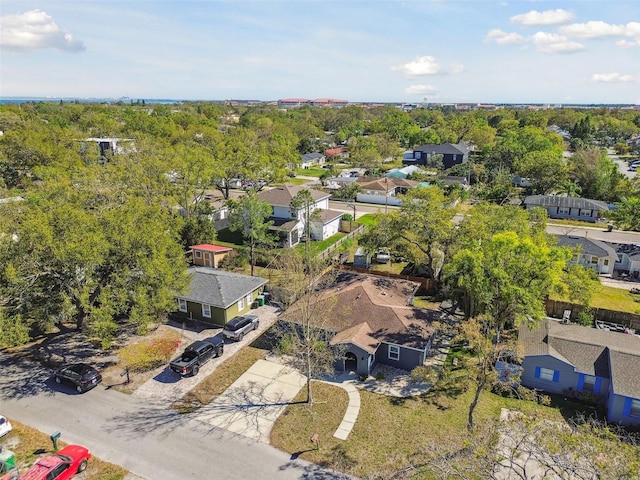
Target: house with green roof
{"type": "Point", "coordinates": [217, 296]}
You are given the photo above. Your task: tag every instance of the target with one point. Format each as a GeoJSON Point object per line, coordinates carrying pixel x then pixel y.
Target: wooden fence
{"type": "Point", "coordinates": [331, 251]}
{"type": "Point", "coordinates": [426, 284]}
{"type": "Point", "coordinates": [556, 308]}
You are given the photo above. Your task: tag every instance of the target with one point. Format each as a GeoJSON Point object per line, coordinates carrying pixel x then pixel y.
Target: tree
{"type": "Point", "coordinates": [420, 231]}
{"type": "Point", "coordinates": [545, 169]}
{"type": "Point", "coordinates": [303, 340]}
{"type": "Point", "coordinates": [596, 174]}
{"type": "Point", "coordinates": [504, 273]}
{"type": "Point", "coordinates": [302, 203]}
{"type": "Point", "coordinates": [85, 253]}
{"type": "Point", "coordinates": [485, 351]}
{"type": "Point", "coordinates": [248, 214]}
{"type": "Point", "coordinates": [627, 216]}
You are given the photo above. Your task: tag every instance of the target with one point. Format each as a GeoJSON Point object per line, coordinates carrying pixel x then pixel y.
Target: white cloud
{"type": "Point", "coordinates": [612, 78]}
{"type": "Point", "coordinates": [35, 30]}
{"type": "Point", "coordinates": [554, 43]}
{"type": "Point", "coordinates": [419, 67]}
{"type": "Point", "coordinates": [593, 29]}
{"type": "Point", "coordinates": [628, 44]}
{"type": "Point", "coordinates": [503, 38]}
{"type": "Point", "coordinates": [548, 17]}
{"type": "Point", "coordinates": [420, 89]}
{"type": "Point", "coordinates": [455, 68]}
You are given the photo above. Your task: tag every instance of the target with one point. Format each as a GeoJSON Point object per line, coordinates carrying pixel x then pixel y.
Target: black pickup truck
{"type": "Point", "coordinates": [196, 355]}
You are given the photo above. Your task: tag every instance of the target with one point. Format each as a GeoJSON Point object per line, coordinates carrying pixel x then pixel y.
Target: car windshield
{"type": "Point", "coordinates": [64, 458]}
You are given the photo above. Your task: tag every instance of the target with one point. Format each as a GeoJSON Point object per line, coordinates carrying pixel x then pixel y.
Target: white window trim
{"type": "Point", "coordinates": [250, 298]}
{"type": "Point", "coordinates": [206, 311]}
{"type": "Point", "coordinates": [182, 305]}
{"type": "Point", "coordinates": [564, 210]}
{"type": "Point", "coordinates": [394, 352]}
{"type": "Point", "coordinates": [634, 409]}
{"type": "Point", "coordinates": [198, 254]}
{"type": "Point", "coordinates": [241, 304]}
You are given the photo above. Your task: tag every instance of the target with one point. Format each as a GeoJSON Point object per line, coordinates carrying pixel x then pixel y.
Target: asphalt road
{"type": "Point", "coordinates": [623, 166]}
{"type": "Point", "coordinates": [148, 439]}
{"type": "Point", "coordinates": [597, 232]}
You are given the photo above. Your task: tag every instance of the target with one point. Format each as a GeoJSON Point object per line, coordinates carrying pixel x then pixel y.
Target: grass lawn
{"type": "Point", "coordinates": [297, 181]}
{"type": "Point", "coordinates": [219, 380]}
{"type": "Point", "coordinates": [611, 298]}
{"type": "Point", "coordinates": [317, 247]}
{"type": "Point", "coordinates": [311, 172]}
{"type": "Point", "coordinates": [388, 430]}
{"type": "Point", "coordinates": [369, 219]}
{"type": "Point", "coordinates": [30, 444]}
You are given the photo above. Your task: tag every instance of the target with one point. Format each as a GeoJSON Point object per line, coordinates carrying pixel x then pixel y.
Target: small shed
{"type": "Point", "coordinates": [361, 259]}
{"type": "Point", "coordinates": [207, 255]}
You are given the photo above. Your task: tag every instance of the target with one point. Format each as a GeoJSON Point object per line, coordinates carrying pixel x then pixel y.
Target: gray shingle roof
{"type": "Point", "coordinates": [570, 202]}
{"type": "Point", "coordinates": [444, 149]}
{"type": "Point", "coordinates": [589, 350]}
{"type": "Point", "coordinates": [282, 196]}
{"type": "Point", "coordinates": [219, 288]}
{"type": "Point", "coordinates": [587, 246]}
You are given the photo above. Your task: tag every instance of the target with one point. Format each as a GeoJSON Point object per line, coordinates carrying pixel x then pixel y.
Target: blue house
{"type": "Point", "coordinates": [572, 208]}
{"type": "Point", "coordinates": [370, 320]}
{"type": "Point", "coordinates": [449, 153]}
{"type": "Point", "coordinates": [587, 363]}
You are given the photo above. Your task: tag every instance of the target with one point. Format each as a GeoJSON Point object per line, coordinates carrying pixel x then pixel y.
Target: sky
{"type": "Point", "coordinates": [463, 51]}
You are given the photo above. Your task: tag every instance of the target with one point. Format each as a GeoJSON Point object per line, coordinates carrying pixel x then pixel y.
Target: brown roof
{"type": "Point", "coordinates": [592, 351]}
{"type": "Point", "coordinates": [386, 183]}
{"type": "Point", "coordinates": [326, 216]}
{"type": "Point", "coordinates": [360, 335]}
{"type": "Point", "coordinates": [282, 196]}
{"type": "Point", "coordinates": [380, 303]}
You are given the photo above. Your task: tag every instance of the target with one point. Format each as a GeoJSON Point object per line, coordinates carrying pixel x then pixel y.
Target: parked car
{"type": "Point", "coordinates": [383, 256]}
{"type": "Point", "coordinates": [196, 355]}
{"type": "Point", "coordinates": [84, 377]}
{"type": "Point", "coordinates": [65, 464]}
{"type": "Point", "coordinates": [5, 426]}
{"type": "Point", "coordinates": [239, 326]}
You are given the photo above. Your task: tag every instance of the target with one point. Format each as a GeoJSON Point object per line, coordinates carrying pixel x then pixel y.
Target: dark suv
{"type": "Point", "coordinates": [237, 327]}
{"type": "Point", "coordinates": [81, 375]}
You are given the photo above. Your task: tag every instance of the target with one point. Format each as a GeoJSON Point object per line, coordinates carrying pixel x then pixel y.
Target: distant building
{"type": "Point", "coordinates": [110, 145]}
{"type": "Point", "coordinates": [451, 154]}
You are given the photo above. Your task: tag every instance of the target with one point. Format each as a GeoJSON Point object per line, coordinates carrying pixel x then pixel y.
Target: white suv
{"type": "Point", "coordinates": [236, 328]}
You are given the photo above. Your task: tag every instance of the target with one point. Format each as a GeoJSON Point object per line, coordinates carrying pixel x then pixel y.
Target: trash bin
{"type": "Point", "coordinates": [260, 299]}
{"type": "Point", "coordinates": [609, 228]}
{"type": "Point", "coordinates": [7, 460]}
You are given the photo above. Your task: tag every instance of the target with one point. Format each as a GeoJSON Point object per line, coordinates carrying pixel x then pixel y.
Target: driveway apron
{"type": "Point", "coordinates": [252, 403]}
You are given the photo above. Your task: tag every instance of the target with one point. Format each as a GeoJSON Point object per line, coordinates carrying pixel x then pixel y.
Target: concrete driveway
{"type": "Point", "coordinates": [252, 403]}
{"type": "Point", "coordinates": [167, 386]}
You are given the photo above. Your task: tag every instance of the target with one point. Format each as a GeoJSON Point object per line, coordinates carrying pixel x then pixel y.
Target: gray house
{"type": "Point", "coordinates": [585, 362]}
{"type": "Point", "coordinates": [567, 207]}
{"type": "Point", "coordinates": [217, 296]}
{"type": "Point", "coordinates": [369, 319]}
{"type": "Point", "coordinates": [628, 260]}
{"type": "Point", "coordinates": [590, 253]}
{"type": "Point", "coordinates": [451, 154]}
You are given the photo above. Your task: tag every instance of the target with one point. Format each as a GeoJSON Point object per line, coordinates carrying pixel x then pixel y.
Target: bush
{"type": "Point", "coordinates": [423, 374]}
{"type": "Point", "coordinates": [381, 376]}
{"type": "Point", "coordinates": [151, 353]}
{"type": "Point", "coordinates": [585, 318]}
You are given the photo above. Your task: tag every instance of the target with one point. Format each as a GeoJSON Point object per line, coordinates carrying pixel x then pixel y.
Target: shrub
{"type": "Point", "coordinates": [423, 374]}
{"type": "Point", "coordinates": [149, 354]}
{"type": "Point", "coordinates": [381, 376]}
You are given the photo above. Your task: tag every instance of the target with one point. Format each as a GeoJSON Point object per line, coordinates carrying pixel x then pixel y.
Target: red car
{"type": "Point", "coordinates": [63, 465]}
